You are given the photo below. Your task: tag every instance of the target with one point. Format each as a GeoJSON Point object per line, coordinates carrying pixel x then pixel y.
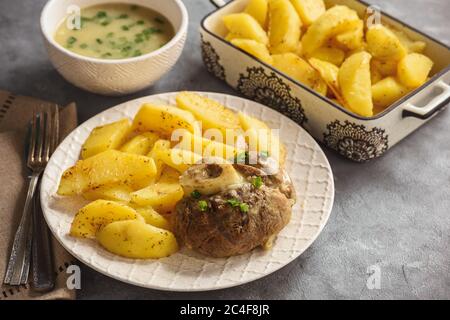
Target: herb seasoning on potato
{"type": "Point", "coordinates": [116, 31]}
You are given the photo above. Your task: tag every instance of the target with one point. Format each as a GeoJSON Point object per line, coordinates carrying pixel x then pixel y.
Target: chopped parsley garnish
{"type": "Point", "coordinates": [99, 41]}
{"type": "Point", "coordinates": [203, 205]}
{"type": "Point", "coordinates": [101, 14]}
{"type": "Point", "coordinates": [71, 40]}
{"type": "Point", "coordinates": [196, 194]}
{"type": "Point", "coordinates": [257, 182]}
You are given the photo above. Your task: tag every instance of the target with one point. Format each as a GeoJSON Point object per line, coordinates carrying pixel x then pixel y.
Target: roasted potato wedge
{"type": "Point", "coordinates": [383, 44]}
{"type": "Point", "coordinates": [355, 84]}
{"type": "Point", "coordinates": [107, 168]}
{"type": "Point", "coordinates": [119, 193]}
{"type": "Point", "coordinates": [258, 10]}
{"type": "Point", "coordinates": [161, 196]}
{"type": "Point", "coordinates": [246, 27]}
{"type": "Point", "coordinates": [386, 92]}
{"type": "Point", "coordinates": [330, 54]}
{"type": "Point", "coordinates": [212, 114]}
{"type": "Point", "coordinates": [386, 68]}
{"type": "Point", "coordinates": [299, 70]}
{"type": "Point", "coordinates": [309, 10]}
{"type": "Point", "coordinates": [413, 70]}
{"type": "Point", "coordinates": [140, 144]}
{"type": "Point", "coordinates": [152, 217]}
{"type": "Point", "coordinates": [284, 27]}
{"type": "Point", "coordinates": [137, 240]}
{"type": "Point", "coordinates": [178, 159]}
{"type": "Point", "coordinates": [329, 73]}
{"type": "Point", "coordinates": [91, 218]}
{"type": "Point", "coordinates": [107, 137]}
{"type": "Point", "coordinates": [163, 119]}
{"type": "Point", "coordinates": [334, 21]}
{"type": "Point", "coordinates": [157, 147]}
{"type": "Point", "coordinates": [256, 49]}
{"type": "Point", "coordinates": [352, 39]}
{"type": "Point", "coordinates": [207, 148]}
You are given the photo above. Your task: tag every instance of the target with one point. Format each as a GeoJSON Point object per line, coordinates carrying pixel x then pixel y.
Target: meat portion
{"type": "Point", "coordinates": [244, 214]}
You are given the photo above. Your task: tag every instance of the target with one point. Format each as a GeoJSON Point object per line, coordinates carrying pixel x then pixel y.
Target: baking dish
{"type": "Point", "coordinates": [357, 138]}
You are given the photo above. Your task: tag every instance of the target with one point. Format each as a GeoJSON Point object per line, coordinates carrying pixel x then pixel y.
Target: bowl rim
{"type": "Point", "coordinates": [389, 109]}
{"type": "Point", "coordinates": [182, 30]}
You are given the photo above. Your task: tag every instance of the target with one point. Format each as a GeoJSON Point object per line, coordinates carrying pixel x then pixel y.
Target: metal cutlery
{"type": "Point", "coordinates": [43, 139]}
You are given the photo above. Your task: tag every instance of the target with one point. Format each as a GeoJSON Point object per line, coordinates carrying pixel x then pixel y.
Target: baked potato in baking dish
{"type": "Point", "coordinates": [303, 36]}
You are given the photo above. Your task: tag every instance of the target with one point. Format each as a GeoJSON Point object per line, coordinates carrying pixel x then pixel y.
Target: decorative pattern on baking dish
{"type": "Point", "coordinates": [271, 91]}
{"type": "Point", "coordinates": [212, 60]}
{"type": "Point", "coordinates": [355, 142]}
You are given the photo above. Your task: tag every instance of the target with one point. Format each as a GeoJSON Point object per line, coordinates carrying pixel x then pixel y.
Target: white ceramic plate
{"type": "Point", "coordinates": [187, 270]}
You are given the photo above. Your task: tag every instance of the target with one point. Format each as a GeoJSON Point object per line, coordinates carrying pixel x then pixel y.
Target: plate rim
{"type": "Point", "coordinates": [162, 288]}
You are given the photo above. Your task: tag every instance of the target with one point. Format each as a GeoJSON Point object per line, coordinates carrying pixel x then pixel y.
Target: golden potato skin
{"type": "Point", "coordinates": [91, 218]}
{"type": "Point", "coordinates": [258, 10]}
{"type": "Point", "coordinates": [334, 21]}
{"type": "Point", "coordinates": [300, 70]}
{"type": "Point", "coordinates": [284, 27]}
{"type": "Point", "coordinates": [355, 84]}
{"type": "Point", "coordinates": [160, 196]}
{"type": "Point", "coordinates": [163, 119]}
{"type": "Point", "coordinates": [309, 10]}
{"type": "Point", "coordinates": [152, 217]}
{"type": "Point", "coordinates": [140, 144]}
{"type": "Point", "coordinates": [330, 54]}
{"type": "Point", "coordinates": [212, 114]}
{"type": "Point", "coordinates": [137, 240]}
{"type": "Point", "coordinates": [413, 69]}
{"type": "Point", "coordinates": [246, 27]}
{"type": "Point", "coordinates": [256, 49]}
{"type": "Point", "coordinates": [119, 193]}
{"type": "Point", "coordinates": [107, 168]}
{"type": "Point", "coordinates": [109, 136]}
{"type": "Point", "coordinates": [386, 92]}
{"type": "Point", "coordinates": [383, 44]}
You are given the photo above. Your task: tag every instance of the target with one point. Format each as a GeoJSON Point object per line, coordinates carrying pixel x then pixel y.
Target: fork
{"type": "Point", "coordinates": [42, 142]}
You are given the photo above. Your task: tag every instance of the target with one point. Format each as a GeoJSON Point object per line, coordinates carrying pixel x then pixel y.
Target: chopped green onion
{"type": "Point", "coordinates": [257, 182]}
{"type": "Point", "coordinates": [203, 205]}
{"type": "Point", "coordinates": [233, 202]}
{"type": "Point", "coordinates": [196, 194]}
{"type": "Point", "coordinates": [244, 207]}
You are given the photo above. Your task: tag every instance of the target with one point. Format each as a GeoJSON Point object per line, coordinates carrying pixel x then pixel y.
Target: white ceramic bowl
{"type": "Point", "coordinates": [114, 77]}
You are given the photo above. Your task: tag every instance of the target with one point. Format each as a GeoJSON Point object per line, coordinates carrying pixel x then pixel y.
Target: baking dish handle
{"type": "Point", "coordinates": [436, 104]}
{"type": "Point", "coordinates": [218, 3]}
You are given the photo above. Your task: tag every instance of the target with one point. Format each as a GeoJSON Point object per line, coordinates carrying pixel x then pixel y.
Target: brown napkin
{"type": "Point", "coordinates": [15, 113]}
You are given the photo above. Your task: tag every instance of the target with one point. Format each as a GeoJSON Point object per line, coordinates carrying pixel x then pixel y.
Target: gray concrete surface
{"type": "Point", "coordinates": [393, 213]}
